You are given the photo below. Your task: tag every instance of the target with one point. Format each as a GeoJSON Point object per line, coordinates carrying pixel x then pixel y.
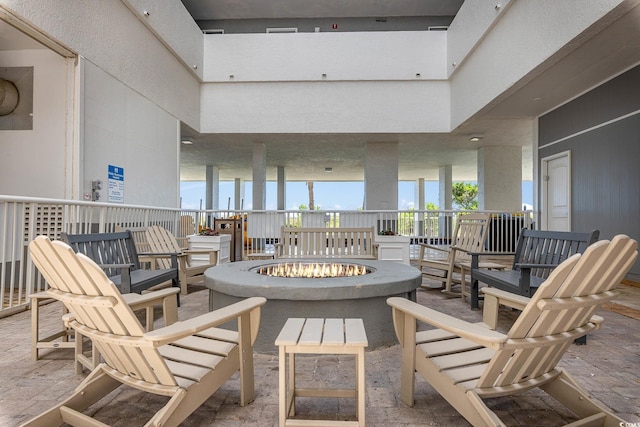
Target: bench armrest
{"type": "Point", "coordinates": [121, 266]}
{"type": "Point", "coordinates": [530, 266]}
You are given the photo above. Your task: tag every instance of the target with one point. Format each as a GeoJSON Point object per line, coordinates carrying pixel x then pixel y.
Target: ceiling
{"type": "Point", "coordinates": [274, 9]}
{"type": "Point", "coordinates": [600, 54]}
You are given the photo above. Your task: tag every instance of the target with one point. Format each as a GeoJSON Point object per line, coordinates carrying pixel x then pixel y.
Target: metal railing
{"type": "Point", "coordinates": [22, 219]}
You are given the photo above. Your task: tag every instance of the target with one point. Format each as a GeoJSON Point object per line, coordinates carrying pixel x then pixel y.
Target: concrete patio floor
{"type": "Point", "coordinates": [608, 366]}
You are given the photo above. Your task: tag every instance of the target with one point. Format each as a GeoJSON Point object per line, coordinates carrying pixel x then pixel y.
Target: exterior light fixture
{"type": "Point", "coordinates": [475, 138]}
{"type": "Point", "coordinates": [187, 141]}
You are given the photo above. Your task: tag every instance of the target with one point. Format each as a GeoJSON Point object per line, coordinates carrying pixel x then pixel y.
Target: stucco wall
{"type": "Point", "coordinates": [371, 82]}
{"type": "Point", "coordinates": [516, 45]}
{"type": "Point", "coordinates": [36, 162]}
{"type": "Point", "coordinates": [122, 128]}
{"type": "Point", "coordinates": [114, 38]}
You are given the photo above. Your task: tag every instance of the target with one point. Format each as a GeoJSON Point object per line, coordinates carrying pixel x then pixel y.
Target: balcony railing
{"type": "Point", "coordinates": [22, 219]}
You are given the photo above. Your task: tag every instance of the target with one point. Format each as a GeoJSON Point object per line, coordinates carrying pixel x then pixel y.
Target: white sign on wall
{"type": "Point", "coordinates": [116, 184]}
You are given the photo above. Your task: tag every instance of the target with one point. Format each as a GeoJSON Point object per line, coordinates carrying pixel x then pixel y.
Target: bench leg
{"type": "Point", "coordinates": [474, 294]}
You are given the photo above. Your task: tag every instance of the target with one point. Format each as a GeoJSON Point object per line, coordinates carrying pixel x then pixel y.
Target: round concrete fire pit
{"type": "Point", "coordinates": [361, 296]}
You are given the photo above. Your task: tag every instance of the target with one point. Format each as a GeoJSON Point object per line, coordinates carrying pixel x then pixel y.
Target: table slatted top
{"type": "Point", "coordinates": [317, 332]}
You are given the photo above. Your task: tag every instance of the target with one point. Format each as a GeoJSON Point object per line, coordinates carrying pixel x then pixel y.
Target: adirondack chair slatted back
{"type": "Point", "coordinates": [470, 234]}
{"type": "Point", "coordinates": [560, 309]}
{"type": "Point", "coordinates": [112, 248]}
{"type": "Point", "coordinates": [161, 240]}
{"type": "Point", "coordinates": [99, 309]}
{"type": "Point", "coordinates": [536, 247]}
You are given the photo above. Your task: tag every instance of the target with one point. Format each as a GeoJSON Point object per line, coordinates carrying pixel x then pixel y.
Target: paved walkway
{"type": "Point", "coordinates": [608, 366]}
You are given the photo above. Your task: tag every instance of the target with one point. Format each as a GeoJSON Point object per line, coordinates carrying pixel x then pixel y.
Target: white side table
{"type": "Point", "coordinates": [320, 336]}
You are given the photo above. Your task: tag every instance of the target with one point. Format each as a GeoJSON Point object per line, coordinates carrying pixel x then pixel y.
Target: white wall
{"type": "Point", "coordinates": [110, 35]}
{"type": "Point", "coordinates": [370, 85]}
{"type": "Point", "coordinates": [390, 55]}
{"type": "Point", "coordinates": [522, 37]}
{"type": "Point", "coordinates": [346, 106]}
{"type": "Point", "coordinates": [132, 94]}
{"type": "Point", "coordinates": [36, 162]}
{"type": "Point", "coordinates": [123, 128]}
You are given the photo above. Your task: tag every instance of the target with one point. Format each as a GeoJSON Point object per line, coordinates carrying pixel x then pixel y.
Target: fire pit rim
{"type": "Point", "coordinates": [238, 279]}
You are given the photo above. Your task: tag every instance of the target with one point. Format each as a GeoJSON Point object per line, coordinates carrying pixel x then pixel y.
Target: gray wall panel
{"type": "Point", "coordinates": [609, 101]}
{"type": "Point", "coordinates": [605, 169]}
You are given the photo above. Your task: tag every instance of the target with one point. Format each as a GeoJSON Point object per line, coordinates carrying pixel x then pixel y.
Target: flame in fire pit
{"type": "Point", "coordinates": [312, 270]}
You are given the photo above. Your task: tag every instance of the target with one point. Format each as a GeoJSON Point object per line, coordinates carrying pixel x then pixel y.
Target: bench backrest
{"type": "Point", "coordinates": [326, 242]}
{"type": "Point", "coordinates": [550, 248]}
{"type": "Point", "coordinates": [106, 248]}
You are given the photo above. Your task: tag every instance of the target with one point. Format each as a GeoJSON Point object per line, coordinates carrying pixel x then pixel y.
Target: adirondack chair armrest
{"type": "Point", "coordinates": [506, 298]}
{"type": "Point", "coordinates": [213, 254]}
{"type": "Point", "coordinates": [175, 256]}
{"type": "Point", "coordinates": [185, 328]}
{"type": "Point", "coordinates": [435, 248]}
{"type": "Point", "coordinates": [277, 249]}
{"type": "Point", "coordinates": [476, 332]}
{"type": "Point", "coordinates": [145, 297]}
{"type": "Point", "coordinates": [475, 256]}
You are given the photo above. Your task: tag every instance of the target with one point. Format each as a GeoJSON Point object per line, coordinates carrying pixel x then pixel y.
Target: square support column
{"type": "Point", "coordinates": [259, 176]}
{"type": "Point", "coordinates": [381, 176]}
{"type": "Point", "coordinates": [500, 178]}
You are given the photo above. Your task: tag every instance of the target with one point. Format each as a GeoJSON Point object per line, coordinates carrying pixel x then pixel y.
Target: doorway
{"type": "Point", "coordinates": [556, 192]}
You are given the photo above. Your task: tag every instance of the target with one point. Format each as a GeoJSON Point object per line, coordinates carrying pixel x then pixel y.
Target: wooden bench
{"type": "Point", "coordinates": [326, 243]}
{"type": "Point", "coordinates": [116, 253]}
{"type": "Point", "coordinates": [537, 254]}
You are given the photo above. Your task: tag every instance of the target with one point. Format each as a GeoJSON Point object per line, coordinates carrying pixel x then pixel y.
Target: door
{"type": "Point", "coordinates": [556, 192]}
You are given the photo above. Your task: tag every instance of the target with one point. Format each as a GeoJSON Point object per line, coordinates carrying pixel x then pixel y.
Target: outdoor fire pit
{"type": "Point", "coordinates": [361, 295]}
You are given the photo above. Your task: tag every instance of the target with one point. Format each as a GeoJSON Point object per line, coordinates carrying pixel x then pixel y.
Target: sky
{"type": "Point", "coordinates": [328, 195]}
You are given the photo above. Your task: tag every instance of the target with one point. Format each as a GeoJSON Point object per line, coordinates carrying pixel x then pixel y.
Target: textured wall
{"type": "Point", "coordinates": [602, 131]}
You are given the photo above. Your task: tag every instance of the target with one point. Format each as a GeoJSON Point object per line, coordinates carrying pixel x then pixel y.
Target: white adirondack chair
{"type": "Point", "coordinates": [187, 361]}
{"type": "Point", "coordinates": [161, 241]}
{"type": "Point", "coordinates": [441, 262]}
{"type": "Point", "coordinates": [467, 363]}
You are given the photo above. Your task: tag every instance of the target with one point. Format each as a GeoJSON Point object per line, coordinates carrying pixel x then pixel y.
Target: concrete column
{"type": "Point", "coordinates": [445, 195]}
{"type": "Point", "coordinates": [420, 206]}
{"type": "Point", "coordinates": [212, 195]}
{"type": "Point", "coordinates": [282, 189]}
{"type": "Point", "coordinates": [381, 176]}
{"type": "Point", "coordinates": [259, 176]}
{"type": "Point", "coordinates": [500, 178]}
{"type": "Point", "coordinates": [420, 197]}
{"type": "Point", "coordinates": [238, 193]}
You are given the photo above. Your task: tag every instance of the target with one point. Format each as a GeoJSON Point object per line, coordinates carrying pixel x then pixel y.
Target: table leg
{"type": "Point", "coordinates": [292, 385]}
{"type": "Point", "coordinates": [282, 361]}
{"type": "Point", "coordinates": [360, 379]}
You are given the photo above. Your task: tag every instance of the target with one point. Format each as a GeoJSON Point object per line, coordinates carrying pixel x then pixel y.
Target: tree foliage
{"type": "Point", "coordinates": [465, 195]}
